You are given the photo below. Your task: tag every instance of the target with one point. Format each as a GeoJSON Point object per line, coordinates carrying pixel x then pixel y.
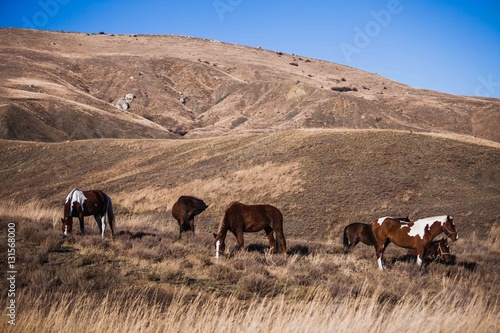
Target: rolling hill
{"type": "Point", "coordinates": [63, 86]}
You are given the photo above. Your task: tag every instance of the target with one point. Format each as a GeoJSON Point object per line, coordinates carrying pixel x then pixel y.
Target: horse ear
{"type": "Point", "coordinates": [62, 220]}
{"type": "Point", "coordinates": [215, 235]}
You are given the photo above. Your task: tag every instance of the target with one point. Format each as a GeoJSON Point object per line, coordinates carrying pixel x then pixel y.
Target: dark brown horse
{"type": "Point", "coordinates": [416, 235]}
{"type": "Point", "coordinates": [437, 249]}
{"type": "Point", "coordinates": [85, 203]}
{"type": "Point", "coordinates": [361, 232]}
{"type": "Point", "coordinates": [240, 218]}
{"type": "Point", "coordinates": [185, 209]}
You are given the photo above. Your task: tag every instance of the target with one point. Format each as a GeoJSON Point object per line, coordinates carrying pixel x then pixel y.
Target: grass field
{"type": "Point", "coordinates": [144, 280]}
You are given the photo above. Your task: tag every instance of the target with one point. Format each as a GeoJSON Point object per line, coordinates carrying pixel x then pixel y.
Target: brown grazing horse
{"type": "Point", "coordinates": [85, 203]}
{"type": "Point", "coordinates": [437, 249]}
{"type": "Point", "coordinates": [185, 209]}
{"type": "Point", "coordinates": [240, 218]}
{"type": "Point", "coordinates": [416, 235]}
{"type": "Point", "coordinates": [361, 232]}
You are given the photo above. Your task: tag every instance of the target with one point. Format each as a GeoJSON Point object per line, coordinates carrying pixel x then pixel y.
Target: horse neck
{"type": "Point", "coordinates": [66, 209]}
{"type": "Point", "coordinates": [436, 229]}
{"type": "Point", "coordinates": [223, 228]}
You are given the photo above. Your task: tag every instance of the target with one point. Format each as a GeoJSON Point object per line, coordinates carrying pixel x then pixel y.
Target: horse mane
{"type": "Point", "coordinates": [70, 195]}
{"type": "Point", "coordinates": [223, 222]}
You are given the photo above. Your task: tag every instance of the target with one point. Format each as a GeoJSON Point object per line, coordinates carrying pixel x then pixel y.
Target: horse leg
{"type": "Point", "coordinates": [353, 243]}
{"type": "Point", "coordinates": [240, 240]}
{"type": "Point", "coordinates": [82, 225]}
{"type": "Point", "coordinates": [420, 256]}
{"type": "Point", "coordinates": [103, 223]}
{"type": "Point", "coordinates": [282, 241]}
{"type": "Point", "coordinates": [191, 225]}
{"type": "Point", "coordinates": [97, 219]}
{"type": "Point", "coordinates": [270, 237]}
{"type": "Point", "coordinates": [380, 248]}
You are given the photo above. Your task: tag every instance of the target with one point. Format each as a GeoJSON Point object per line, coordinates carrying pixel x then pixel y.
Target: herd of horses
{"type": "Point", "coordinates": [417, 236]}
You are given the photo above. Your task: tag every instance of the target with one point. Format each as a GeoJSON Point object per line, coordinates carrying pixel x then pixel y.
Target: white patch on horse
{"type": "Point", "coordinates": [379, 261]}
{"type": "Point", "coordinates": [217, 246]}
{"type": "Point", "coordinates": [381, 220]}
{"type": "Point", "coordinates": [103, 224]}
{"type": "Point", "coordinates": [418, 227]}
{"type": "Point", "coordinates": [75, 196]}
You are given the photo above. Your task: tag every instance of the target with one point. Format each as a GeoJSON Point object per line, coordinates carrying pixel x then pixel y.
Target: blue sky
{"type": "Point", "coordinates": [449, 46]}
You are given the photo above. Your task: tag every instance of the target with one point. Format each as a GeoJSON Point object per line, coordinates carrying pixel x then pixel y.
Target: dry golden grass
{"type": "Point", "coordinates": [146, 281]}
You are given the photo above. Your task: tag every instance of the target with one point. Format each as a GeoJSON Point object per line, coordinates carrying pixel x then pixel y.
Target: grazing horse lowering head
{"type": "Point", "coordinates": [67, 225]}
{"type": "Point", "coordinates": [435, 250]}
{"type": "Point", "coordinates": [240, 218]}
{"type": "Point", "coordinates": [87, 203]}
{"type": "Point", "coordinates": [220, 244]}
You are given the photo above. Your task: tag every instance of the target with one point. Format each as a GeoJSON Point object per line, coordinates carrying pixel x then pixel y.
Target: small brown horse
{"type": "Point", "coordinates": [85, 203]}
{"type": "Point", "coordinates": [416, 235]}
{"type": "Point", "coordinates": [240, 218]}
{"type": "Point", "coordinates": [437, 249]}
{"type": "Point", "coordinates": [361, 232]}
{"type": "Point", "coordinates": [185, 209]}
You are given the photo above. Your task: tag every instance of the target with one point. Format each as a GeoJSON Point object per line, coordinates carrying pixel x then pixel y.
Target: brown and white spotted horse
{"type": "Point", "coordinates": [416, 235]}
{"type": "Point", "coordinates": [85, 203]}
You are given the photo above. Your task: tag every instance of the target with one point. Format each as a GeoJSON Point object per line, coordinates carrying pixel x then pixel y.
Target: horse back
{"type": "Point", "coordinates": [394, 230]}
{"type": "Point", "coordinates": [96, 202]}
{"type": "Point", "coordinates": [251, 218]}
{"type": "Point", "coordinates": [187, 205]}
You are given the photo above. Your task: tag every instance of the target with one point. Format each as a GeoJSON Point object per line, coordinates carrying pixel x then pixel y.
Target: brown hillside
{"type": "Point", "coordinates": [60, 86]}
{"type": "Point", "coordinates": [320, 179]}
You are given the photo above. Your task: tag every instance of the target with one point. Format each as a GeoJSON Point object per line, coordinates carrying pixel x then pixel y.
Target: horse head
{"type": "Point", "coordinates": [219, 243]}
{"type": "Point", "coordinates": [67, 225]}
{"type": "Point", "coordinates": [449, 228]}
{"type": "Point", "coordinates": [444, 250]}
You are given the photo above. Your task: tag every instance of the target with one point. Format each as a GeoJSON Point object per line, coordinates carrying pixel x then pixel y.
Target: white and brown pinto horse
{"type": "Point", "coordinates": [85, 203]}
{"type": "Point", "coordinates": [416, 235]}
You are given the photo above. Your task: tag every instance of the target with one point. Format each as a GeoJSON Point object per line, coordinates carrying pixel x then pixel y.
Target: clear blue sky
{"type": "Point", "coordinates": [449, 46]}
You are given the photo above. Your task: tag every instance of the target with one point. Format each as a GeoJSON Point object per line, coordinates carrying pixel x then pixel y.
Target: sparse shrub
{"type": "Point", "coordinates": [224, 274]}
{"type": "Point", "coordinates": [344, 89]}
{"type": "Point", "coordinates": [255, 285]}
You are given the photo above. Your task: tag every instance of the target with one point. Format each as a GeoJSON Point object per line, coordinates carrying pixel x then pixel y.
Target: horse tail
{"type": "Point", "coordinates": [346, 241]}
{"type": "Point", "coordinates": [111, 214]}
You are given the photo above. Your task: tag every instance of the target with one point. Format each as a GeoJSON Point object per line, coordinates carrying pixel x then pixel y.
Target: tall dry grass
{"type": "Point", "coordinates": [145, 280]}
{"type": "Point", "coordinates": [122, 312]}
{"type": "Point", "coordinates": [268, 180]}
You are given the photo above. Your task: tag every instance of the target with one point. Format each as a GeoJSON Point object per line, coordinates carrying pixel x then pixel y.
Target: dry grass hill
{"type": "Point", "coordinates": [325, 143]}
{"type": "Point", "coordinates": [51, 81]}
